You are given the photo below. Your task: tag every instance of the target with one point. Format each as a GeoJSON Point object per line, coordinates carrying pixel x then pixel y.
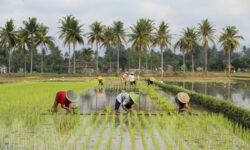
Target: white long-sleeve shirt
{"type": "Point", "coordinates": [123, 98]}
{"type": "Point", "coordinates": [131, 78]}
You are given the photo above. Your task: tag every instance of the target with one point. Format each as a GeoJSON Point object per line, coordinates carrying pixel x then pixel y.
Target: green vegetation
{"type": "Point", "coordinates": [155, 97]}
{"type": "Point", "coordinates": [31, 41]}
{"type": "Point", "coordinates": [31, 127]}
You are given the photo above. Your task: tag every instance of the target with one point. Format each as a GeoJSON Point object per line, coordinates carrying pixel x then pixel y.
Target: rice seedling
{"type": "Point", "coordinates": [111, 133]}
{"type": "Point", "coordinates": [131, 131]}
{"type": "Point", "coordinates": [139, 129]}
{"type": "Point", "coordinates": [92, 131]}
{"type": "Point", "coordinates": [100, 136]}
{"type": "Point", "coordinates": [159, 129]}
{"type": "Point", "coordinates": [121, 131]}
{"type": "Point", "coordinates": [151, 132]}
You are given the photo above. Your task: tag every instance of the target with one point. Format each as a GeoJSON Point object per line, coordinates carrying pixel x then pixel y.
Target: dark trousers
{"type": "Point", "coordinates": [117, 104]}
{"type": "Point", "coordinates": [133, 83]}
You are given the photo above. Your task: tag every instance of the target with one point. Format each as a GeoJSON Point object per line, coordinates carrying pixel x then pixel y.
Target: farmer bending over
{"type": "Point", "coordinates": [182, 102]}
{"type": "Point", "coordinates": [65, 98]}
{"type": "Point", "coordinates": [126, 100]}
{"type": "Point", "coordinates": [150, 81]}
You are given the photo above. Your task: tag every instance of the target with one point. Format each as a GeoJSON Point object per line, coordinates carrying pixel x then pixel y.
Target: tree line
{"type": "Point", "coordinates": [142, 38]}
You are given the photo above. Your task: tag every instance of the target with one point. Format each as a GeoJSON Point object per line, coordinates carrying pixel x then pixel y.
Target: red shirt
{"type": "Point", "coordinates": [61, 97]}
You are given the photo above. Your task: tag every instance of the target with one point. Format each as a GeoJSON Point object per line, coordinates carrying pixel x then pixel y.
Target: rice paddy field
{"type": "Point", "coordinates": [26, 123]}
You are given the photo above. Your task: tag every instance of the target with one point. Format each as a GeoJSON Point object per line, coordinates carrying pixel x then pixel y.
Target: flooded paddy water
{"type": "Point", "coordinates": [99, 99]}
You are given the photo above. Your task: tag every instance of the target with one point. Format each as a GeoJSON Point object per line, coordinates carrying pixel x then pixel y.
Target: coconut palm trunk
{"type": "Point", "coordinates": [110, 70]}
{"type": "Point", "coordinates": [31, 61]}
{"type": "Point", "coordinates": [74, 60]}
{"type": "Point", "coordinates": [118, 60]}
{"type": "Point", "coordinates": [161, 62]}
{"type": "Point", "coordinates": [205, 49]}
{"type": "Point", "coordinates": [42, 60]}
{"type": "Point", "coordinates": [25, 64]}
{"type": "Point", "coordinates": [146, 63]}
{"type": "Point", "coordinates": [9, 60]}
{"type": "Point", "coordinates": [229, 62]}
{"type": "Point", "coordinates": [31, 54]}
{"type": "Point", "coordinates": [140, 62]}
{"type": "Point", "coordinates": [192, 62]}
{"type": "Point", "coordinates": [184, 63]}
{"type": "Point", "coordinates": [69, 61]}
{"type": "Point", "coordinates": [96, 58]}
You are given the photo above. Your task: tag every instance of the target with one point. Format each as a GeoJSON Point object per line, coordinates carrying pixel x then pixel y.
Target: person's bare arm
{"type": "Point", "coordinates": [124, 108]}
{"type": "Point", "coordinates": [66, 108]}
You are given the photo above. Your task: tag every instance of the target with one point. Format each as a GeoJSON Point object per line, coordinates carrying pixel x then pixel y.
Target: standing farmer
{"type": "Point", "coordinates": [126, 100]}
{"type": "Point", "coordinates": [65, 98]}
{"type": "Point", "coordinates": [125, 78]}
{"type": "Point", "coordinates": [182, 101]}
{"type": "Point", "coordinates": [131, 79]}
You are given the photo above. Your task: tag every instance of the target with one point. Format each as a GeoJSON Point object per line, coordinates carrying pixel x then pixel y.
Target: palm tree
{"type": "Point", "coordinates": [23, 43]}
{"type": "Point", "coordinates": [31, 27]}
{"type": "Point", "coordinates": [141, 36]}
{"type": "Point", "coordinates": [95, 36]}
{"type": "Point", "coordinates": [108, 39]}
{"type": "Point", "coordinates": [182, 45]}
{"type": "Point", "coordinates": [44, 40]}
{"type": "Point", "coordinates": [118, 38]}
{"type": "Point", "coordinates": [191, 42]}
{"type": "Point", "coordinates": [72, 33]}
{"type": "Point", "coordinates": [162, 38]}
{"type": "Point", "coordinates": [229, 40]}
{"type": "Point", "coordinates": [8, 37]}
{"type": "Point", "coordinates": [206, 32]}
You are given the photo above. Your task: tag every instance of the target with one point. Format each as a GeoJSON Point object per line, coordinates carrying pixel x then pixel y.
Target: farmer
{"type": "Point", "coordinates": [131, 79]}
{"type": "Point", "coordinates": [125, 78]}
{"type": "Point", "coordinates": [182, 101]}
{"type": "Point", "coordinates": [126, 100]}
{"type": "Point", "coordinates": [150, 81]}
{"type": "Point", "coordinates": [65, 98]}
{"type": "Point", "coordinates": [100, 80]}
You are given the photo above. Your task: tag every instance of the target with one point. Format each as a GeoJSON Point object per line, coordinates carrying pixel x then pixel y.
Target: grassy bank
{"type": "Point", "coordinates": [233, 112]}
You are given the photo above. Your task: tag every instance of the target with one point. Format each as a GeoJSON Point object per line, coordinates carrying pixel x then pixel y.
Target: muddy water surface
{"type": "Point", "coordinates": [96, 100]}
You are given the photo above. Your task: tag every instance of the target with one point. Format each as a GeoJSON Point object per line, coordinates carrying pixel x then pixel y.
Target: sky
{"type": "Point", "coordinates": [179, 14]}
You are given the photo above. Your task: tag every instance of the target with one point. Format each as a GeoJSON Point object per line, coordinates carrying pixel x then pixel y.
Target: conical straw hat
{"type": "Point", "coordinates": [72, 96]}
{"type": "Point", "coordinates": [134, 97]}
{"type": "Point", "coordinates": [100, 78]}
{"type": "Point", "coordinates": [152, 79]}
{"type": "Point", "coordinates": [183, 97]}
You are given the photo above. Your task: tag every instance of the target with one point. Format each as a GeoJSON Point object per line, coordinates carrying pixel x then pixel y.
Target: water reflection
{"type": "Point", "coordinates": [238, 93]}
{"type": "Point", "coordinates": [96, 100]}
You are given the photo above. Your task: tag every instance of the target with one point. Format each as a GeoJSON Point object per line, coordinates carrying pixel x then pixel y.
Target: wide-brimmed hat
{"type": "Point", "coordinates": [132, 73]}
{"type": "Point", "coordinates": [72, 96]}
{"type": "Point", "coordinates": [127, 72]}
{"type": "Point", "coordinates": [152, 79]}
{"type": "Point", "coordinates": [99, 78]}
{"type": "Point", "coordinates": [183, 97]}
{"type": "Point", "coordinates": [134, 97]}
